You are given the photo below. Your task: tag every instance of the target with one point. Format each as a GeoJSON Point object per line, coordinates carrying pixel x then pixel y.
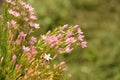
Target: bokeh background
{"type": "Point", "coordinates": [100, 22]}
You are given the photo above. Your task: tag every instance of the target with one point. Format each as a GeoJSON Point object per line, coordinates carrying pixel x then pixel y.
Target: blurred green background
{"type": "Point", "coordinates": [100, 22]}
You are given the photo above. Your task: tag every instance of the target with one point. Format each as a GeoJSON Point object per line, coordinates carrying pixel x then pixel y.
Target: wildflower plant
{"type": "Point", "coordinates": [25, 57]}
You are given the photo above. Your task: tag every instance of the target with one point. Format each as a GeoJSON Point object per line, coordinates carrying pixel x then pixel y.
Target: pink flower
{"type": "Point", "coordinates": [48, 32]}
{"type": "Point", "coordinates": [34, 51]}
{"type": "Point", "coordinates": [70, 40]}
{"type": "Point", "coordinates": [31, 71]}
{"type": "Point", "coordinates": [60, 50]}
{"type": "Point", "coordinates": [55, 56]}
{"type": "Point", "coordinates": [33, 40]}
{"type": "Point", "coordinates": [14, 57]}
{"type": "Point", "coordinates": [62, 63]}
{"type": "Point", "coordinates": [31, 31]}
{"type": "Point", "coordinates": [21, 34]}
{"type": "Point", "coordinates": [14, 13]}
{"type": "Point", "coordinates": [22, 3]}
{"type": "Point", "coordinates": [33, 17]}
{"type": "Point", "coordinates": [59, 35]}
{"type": "Point", "coordinates": [79, 31]}
{"type": "Point", "coordinates": [64, 69]}
{"type": "Point", "coordinates": [84, 44]}
{"type": "Point", "coordinates": [26, 19]}
{"type": "Point", "coordinates": [80, 37]}
{"type": "Point", "coordinates": [52, 45]}
{"type": "Point", "coordinates": [65, 26]}
{"type": "Point", "coordinates": [26, 49]}
{"type": "Point", "coordinates": [31, 23]}
{"type": "Point", "coordinates": [52, 39]}
{"type": "Point", "coordinates": [18, 66]}
{"type": "Point", "coordinates": [69, 33]}
{"type": "Point", "coordinates": [11, 11]}
{"type": "Point", "coordinates": [18, 41]}
{"type": "Point", "coordinates": [10, 1]}
{"type": "Point", "coordinates": [14, 24]}
{"type": "Point", "coordinates": [36, 26]}
{"type": "Point", "coordinates": [76, 26]}
{"type": "Point", "coordinates": [68, 49]}
{"type": "Point", "coordinates": [26, 6]}
{"type": "Point", "coordinates": [47, 57]}
{"type": "Point", "coordinates": [43, 37]}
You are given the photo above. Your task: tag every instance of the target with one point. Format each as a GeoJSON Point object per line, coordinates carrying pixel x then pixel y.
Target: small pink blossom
{"type": "Point", "coordinates": [48, 32]}
{"type": "Point", "coordinates": [69, 33]}
{"type": "Point", "coordinates": [14, 24]}
{"type": "Point", "coordinates": [18, 41]}
{"type": "Point", "coordinates": [11, 11]}
{"type": "Point", "coordinates": [64, 69]}
{"type": "Point", "coordinates": [80, 37]}
{"type": "Point", "coordinates": [31, 71]}
{"type": "Point", "coordinates": [84, 44]}
{"type": "Point", "coordinates": [70, 40]}
{"type": "Point", "coordinates": [26, 5]}
{"type": "Point", "coordinates": [59, 35]}
{"type": "Point", "coordinates": [21, 34]}
{"type": "Point", "coordinates": [36, 26]}
{"type": "Point", "coordinates": [52, 45]}
{"type": "Point", "coordinates": [47, 57]}
{"type": "Point", "coordinates": [14, 57]}
{"type": "Point", "coordinates": [79, 31]}
{"type": "Point", "coordinates": [33, 40]}
{"type": "Point", "coordinates": [76, 26]}
{"type": "Point", "coordinates": [26, 49]}
{"type": "Point", "coordinates": [62, 63]}
{"type": "Point", "coordinates": [22, 3]}
{"type": "Point", "coordinates": [31, 23]}
{"type": "Point", "coordinates": [65, 26]}
{"type": "Point", "coordinates": [52, 39]}
{"type": "Point", "coordinates": [33, 17]}
{"type": "Point", "coordinates": [26, 19]}
{"type": "Point", "coordinates": [18, 66]}
{"type": "Point", "coordinates": [10, 1]}
{"type": "Point", "coordinates": [34, 51]}
{"type": "Point", "coordinates": [14, 13]}
{"type": "Point", "coordinates": [43, 37]}
{"type": "Point", "coordinates": [31, 31]}
{"type": "Point", "coordinates": [68, 49]}
{"type": "Point", "coordinates": [60, 50]}
{"type": "Point", "coordinates": [55, 56]}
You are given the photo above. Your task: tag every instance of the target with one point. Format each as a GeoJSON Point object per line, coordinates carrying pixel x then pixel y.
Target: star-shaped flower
{"type": "Point", "coordinates": [47, 57]}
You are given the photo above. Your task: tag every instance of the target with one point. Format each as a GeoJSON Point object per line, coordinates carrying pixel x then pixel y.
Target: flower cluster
{"type": "Point", "coordinates": [25, 57]}
{"type": "Point", "coordinates": [65, 38]}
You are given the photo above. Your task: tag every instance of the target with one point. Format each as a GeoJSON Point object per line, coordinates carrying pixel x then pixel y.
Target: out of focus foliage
{"type": "Point", "coordinates": [100, 20]}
